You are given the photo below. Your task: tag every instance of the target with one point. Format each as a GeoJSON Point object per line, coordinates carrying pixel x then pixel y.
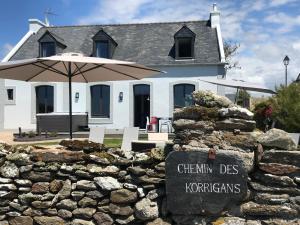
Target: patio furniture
{"type": "Point", "coordinates": [130, 134]}
{"type": "Point", "coordinates": [59, 122]}
{"type": "Point", "coordinates": [73, 67]}
{"type": "Point", "coordinates": [165, 123]}
{"type": "Point", "coordinates": [97, 134]}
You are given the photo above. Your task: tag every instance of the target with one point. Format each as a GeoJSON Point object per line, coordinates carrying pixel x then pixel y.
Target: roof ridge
{"type": "Point", "coordinates": [127, 24]}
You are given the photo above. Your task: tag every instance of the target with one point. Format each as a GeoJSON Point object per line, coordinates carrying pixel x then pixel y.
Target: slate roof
{"type": "Point", "coordinates": [148, 44]}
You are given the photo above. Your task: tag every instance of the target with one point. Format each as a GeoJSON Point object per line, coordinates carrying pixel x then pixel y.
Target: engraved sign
{"type": "Point", "coordinates": [196, 184]}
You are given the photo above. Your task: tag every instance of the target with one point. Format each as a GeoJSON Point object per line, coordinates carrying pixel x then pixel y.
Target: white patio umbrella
{"type": "Point", "coordinates": [73, 67]}
{"type": "Point", "coordinates": [240, 84]}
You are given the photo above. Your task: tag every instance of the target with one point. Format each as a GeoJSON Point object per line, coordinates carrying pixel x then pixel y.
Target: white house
{"type": "Point", "coordinates": [185, 50]}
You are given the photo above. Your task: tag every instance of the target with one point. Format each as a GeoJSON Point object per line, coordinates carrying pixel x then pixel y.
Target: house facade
{"type": "Point", "coordinates": [187, 51]}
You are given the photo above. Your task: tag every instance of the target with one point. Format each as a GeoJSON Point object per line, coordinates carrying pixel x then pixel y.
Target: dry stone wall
{"type": "Point", "coordinates": [94, 185]}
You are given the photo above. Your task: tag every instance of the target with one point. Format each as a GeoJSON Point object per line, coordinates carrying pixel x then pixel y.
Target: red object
{"type": "Point", "coordinates": [153, 120]}
{"type": "Point", "coordinates": [268, 111]}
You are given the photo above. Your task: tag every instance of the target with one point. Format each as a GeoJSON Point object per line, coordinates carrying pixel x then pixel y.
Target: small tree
{"type": "Point", "coordinates": [286, 107]}
{"type": "Point", "coordinates": [230, 50]}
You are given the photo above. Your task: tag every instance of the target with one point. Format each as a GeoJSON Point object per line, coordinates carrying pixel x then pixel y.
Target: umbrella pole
{"type": "Point", "coordinates": [236, 96]}
{"type": "Point", "coordinates": [70, 99]}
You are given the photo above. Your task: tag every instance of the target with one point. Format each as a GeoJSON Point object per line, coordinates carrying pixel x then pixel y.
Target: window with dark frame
{"type": "Point", "coordinates": [100, 101]}
{"type": "Point", "coordinates": [184, 48]}
{"type": "Point", "coordinates": [183, 95]}
{"type": "Point", "coordinates": [44, 99]}
{"type": "Point", "coordinates": [10, 94]}
{"type": "Point", "coordinates": [47, 49]}
{"type": "Point", "coordinates": [102, 49]}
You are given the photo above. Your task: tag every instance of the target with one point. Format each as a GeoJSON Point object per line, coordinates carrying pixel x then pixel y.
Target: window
{"type": "Point", "coordinates": [184, 43]}
{"type": "Point", "coordinates": [47, 49]}
{"type": "Point", "coordinates": [184, 48]}
{"type": "Point", "coordinates": [44, 99]}
{"type": "Point", "coordinates": [183, 95]}
{"type": "Point", "coordinates": [100, 101]}
{"type": "Point", "coordinates": [10, 94]}
{"type": "Point", "coordinates": [102, 49]}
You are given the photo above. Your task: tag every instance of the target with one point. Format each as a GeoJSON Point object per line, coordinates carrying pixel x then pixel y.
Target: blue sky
{"type": "Point", "coordinates": [267, 30]}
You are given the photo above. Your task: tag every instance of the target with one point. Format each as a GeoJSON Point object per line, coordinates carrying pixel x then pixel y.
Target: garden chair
{"type": "Point", "coordinates": [97, 134]}
{"type": "Point", "coordinates": [130, 134]}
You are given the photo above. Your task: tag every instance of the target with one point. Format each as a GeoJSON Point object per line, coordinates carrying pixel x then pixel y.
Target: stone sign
{"type": "Point", "coordinates": [196, 184]}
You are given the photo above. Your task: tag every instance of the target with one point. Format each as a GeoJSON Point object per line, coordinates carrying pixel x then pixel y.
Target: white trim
{"type": "Point", "coordinates": [13, 101]}
{"type": "Point", "coordinates": [17, 46]}
{"type": "Point", "coordinates": [171, 92]}
{"type": "Point", "coordinates": [220, 42]}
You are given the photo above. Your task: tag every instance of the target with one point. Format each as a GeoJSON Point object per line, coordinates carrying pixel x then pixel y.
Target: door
{"type": "Point", "coordinates": [141, 93]}
{"type": "Point", "coordinates": [44, 99]}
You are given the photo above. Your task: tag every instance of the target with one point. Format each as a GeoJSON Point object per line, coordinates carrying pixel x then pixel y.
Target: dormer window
{"type": "Point", "coordinates": [104, 45]}
{"type": "Point", "coordinates": [102, 49]}
{"type": "Point", "coordinates": [184, 43]}
{"type": "Point", "coordinates": [47, 49]}
{"type": "Point", "coordinates": [50, 44]}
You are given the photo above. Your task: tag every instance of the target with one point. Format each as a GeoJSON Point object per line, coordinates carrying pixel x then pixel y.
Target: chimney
{"type": "Point", "coordinates": [214, 16]}
{"type": "Point", "coordinates": [35, 25]}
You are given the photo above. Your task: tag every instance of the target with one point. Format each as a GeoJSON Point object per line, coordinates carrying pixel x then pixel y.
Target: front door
{"type": "Point", "coordinates": [44, 99]}
{"type": "Point", "coordinates": [141, 93]}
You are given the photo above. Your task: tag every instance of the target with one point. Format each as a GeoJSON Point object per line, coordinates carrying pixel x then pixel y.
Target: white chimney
{"type": "Point", "coordinates": [214, 16]}
{"type": "Point", "coordinates": [35, 25]}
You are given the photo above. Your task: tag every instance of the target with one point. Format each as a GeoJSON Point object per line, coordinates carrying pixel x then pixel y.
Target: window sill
{"type": "Point", "coordinates": [185, 59]}
{"type": "Point", "coordinates": [100, 120]}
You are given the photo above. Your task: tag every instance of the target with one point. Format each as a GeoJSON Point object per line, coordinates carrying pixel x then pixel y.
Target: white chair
{"type": "Point", "coordinates": [97, 134]}
{"type": "Point", "coordinates": [130, 134]}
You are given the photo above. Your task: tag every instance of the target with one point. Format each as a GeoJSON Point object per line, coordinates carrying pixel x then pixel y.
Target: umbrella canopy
{"type": "Point", "coordinates": [83, 69]}
{"type": "Point", "coordinates": [240, 84]}
{"type": "Point", "coordinates": [73, 67]}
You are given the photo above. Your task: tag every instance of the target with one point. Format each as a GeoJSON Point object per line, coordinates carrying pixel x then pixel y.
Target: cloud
{"type": "Point", "coordinates": [264, 29]}
{"type": "Point", "coordinates": [5, 49]}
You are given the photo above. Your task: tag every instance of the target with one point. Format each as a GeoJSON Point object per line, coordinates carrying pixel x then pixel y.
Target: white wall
{"type": "Point", "coordinates": [19, 115]}
{"type": "Point", "coordinates": [2, 100]}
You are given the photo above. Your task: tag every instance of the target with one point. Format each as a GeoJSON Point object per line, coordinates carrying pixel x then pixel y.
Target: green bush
{"type": "Point", "coordinates": [283, 109]}
{"type": "Point", "coordinates": [31, 134]}
{"type": "Point", "coordinates": [286, 108]}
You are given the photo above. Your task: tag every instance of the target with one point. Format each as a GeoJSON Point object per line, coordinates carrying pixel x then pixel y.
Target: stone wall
{"type": "Point", "coordinates": [70, 187]}
{"type": "Point", "coordinates": [108, 186]}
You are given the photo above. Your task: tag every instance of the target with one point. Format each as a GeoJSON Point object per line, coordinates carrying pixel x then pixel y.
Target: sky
{"type": "Point", "coordinates": [266, 30]}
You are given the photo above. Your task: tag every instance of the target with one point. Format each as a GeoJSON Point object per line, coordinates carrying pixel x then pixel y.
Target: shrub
{"type": "Point", "coordinates": [286, 107]}
{"type": "Point", "coordinates": [31, 134]}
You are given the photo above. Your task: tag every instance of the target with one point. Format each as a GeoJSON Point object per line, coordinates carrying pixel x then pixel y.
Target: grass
{"type": "Point", "coordinates": [108, 142]}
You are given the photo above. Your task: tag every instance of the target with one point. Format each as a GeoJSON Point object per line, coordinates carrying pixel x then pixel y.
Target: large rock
{"type": "Point", "coordinates": [236, 112]}
{"type": "Point", "coordinates": [146, 209]}
{"type": "Point", "coordinates": [65, 191]}
{"type": "Point", "coordinates": [196, 113]}
{"type": "Point", "coordinates": [48, 220]}
{"type": "Point", "coordinates": [67, 204]}
{"type": "Point", "coordinates": [254, 209]}
{"type": "Point", "coordinates": [271, 179]}
{"type": "Point", "coordinates": [86, 185]}
{"type": "Point", "coordinates": [159, 221]}
{"type": "Point", "coordinates": [276, 138]}
{"type": "Point", "coordinates": [87, 202]}
{"type": "Point", "coordinates": [9, 170]}
{"type": "Point", "coordinates": [211, 99]}
{"type": "Point", "coordinates": [282, 157]}
{"type": "Point", "coordinates": [205, 126]}
{"type": "Point", "coordinates": [109, 170]}
{"type": "Point", "coordinates": [120, 210]}
{"type": "Point", "coordinates": [123, 196]}
{"type": "Point", "coordinates": [63, 156]}
{"type": "Point", "coordinates": [232, 124]}
{"type": "Point", "coordinates": [82, 222]}
{"type": "Point", "coordinates": [103, 219]}
{"type": "Point", "coordinates": [40, 187]}
{"type": "Point", "coordinates": [24, 220]}
{"type": "Point", "coordinates": [84, 213]}
{"type": "Point", "coordinates": [20, 159]}
{"type": "Point", "coordinates": [278, 169]}
{"type": "Point", "coordinates": [107, 183]}
{"type": "Point", "coordinates": [37, 176]}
